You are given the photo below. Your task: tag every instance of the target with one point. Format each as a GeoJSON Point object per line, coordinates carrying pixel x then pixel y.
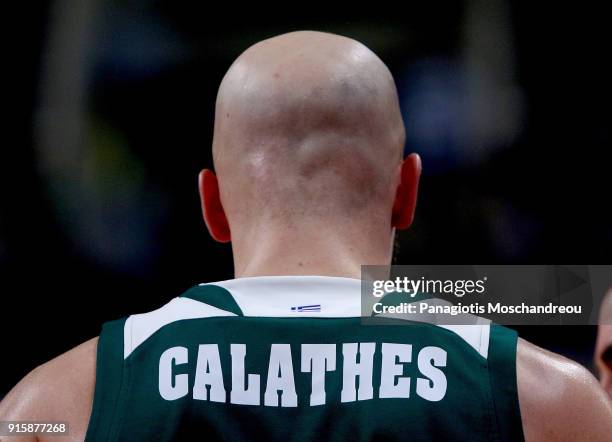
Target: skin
{"type": "Point", "coordinates": [300, 118]}
{"type": "Point", "coordinates": [308, 150]}
{"type": "Point", "coordinates": [60, 390]}
{"type": "Point", "coordinates": [603, 362]}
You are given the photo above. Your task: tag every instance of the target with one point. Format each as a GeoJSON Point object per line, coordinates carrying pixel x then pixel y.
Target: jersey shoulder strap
{"type": "Point", "coordinates": [503, 379]}
{"type": "Point", "coordinates": [110, 381]}
{"type": "Point", "coordinates": [118, 340]}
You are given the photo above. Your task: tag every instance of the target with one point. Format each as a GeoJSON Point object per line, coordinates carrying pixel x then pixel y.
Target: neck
{"type": "Point", "coordinates": [311, 250]}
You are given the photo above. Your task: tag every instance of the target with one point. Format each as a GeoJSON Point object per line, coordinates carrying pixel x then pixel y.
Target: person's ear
{"type": "Point", "coordinates": [406, 194]}
{"type": "Point", "coordinates": [603, 355]}
{"type": "Point", "coordinates": [212, 209]}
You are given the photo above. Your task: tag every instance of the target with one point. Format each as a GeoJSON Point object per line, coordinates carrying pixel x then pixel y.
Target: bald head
{"type": "Point", "coordinates": [306, 123]}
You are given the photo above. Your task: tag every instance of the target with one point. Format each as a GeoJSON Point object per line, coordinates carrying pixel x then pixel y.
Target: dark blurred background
{"type": "Point", "coordinates": [508, 104]}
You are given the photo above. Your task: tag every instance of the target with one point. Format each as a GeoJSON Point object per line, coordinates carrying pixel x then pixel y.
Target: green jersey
{"type": "Point", "coordinates": [288, 358]}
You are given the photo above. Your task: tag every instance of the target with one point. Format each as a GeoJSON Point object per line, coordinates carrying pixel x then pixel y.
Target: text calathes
{"type": "Point", "coordinates": [356, 364]}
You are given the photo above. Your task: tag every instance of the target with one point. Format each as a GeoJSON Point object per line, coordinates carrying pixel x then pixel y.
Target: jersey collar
{"type": "Point", "coordinates": [284, 296]}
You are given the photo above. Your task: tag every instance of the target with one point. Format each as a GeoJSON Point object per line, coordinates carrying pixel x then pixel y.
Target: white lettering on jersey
{"type": "Point", "coordinates": [434, 388]}
{"type": "Point", "coordinates": [240, 395]}
{"type": "Point", "coordinates": [208, 372]}
{"type": "Point", "coordinates": [317, 359]}
{"type": "Point", "coordinates": [351, 369]}
{"type": "Point", "coordinates": [390, 370]}
{"type": "Point", "coordinates": [173, 388]}
{"type": "Point", "coordinates": [280, 377]}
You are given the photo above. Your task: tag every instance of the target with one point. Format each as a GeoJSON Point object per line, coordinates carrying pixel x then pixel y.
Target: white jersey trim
{"type": "Point", "coordinates": [274, 296]}
{"type": "Point", "coordinates": [139, 328]}
{"type": "Point", "coordinates": [281, 296]}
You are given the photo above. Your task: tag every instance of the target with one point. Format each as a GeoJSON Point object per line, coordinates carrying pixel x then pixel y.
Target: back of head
{"type": "Point", "coordinates": [307, 125]}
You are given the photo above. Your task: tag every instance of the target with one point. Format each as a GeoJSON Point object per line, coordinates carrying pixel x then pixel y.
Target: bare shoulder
{"type": "Point", "coordinates": [559, 398]}
{"type": "Point", "coordinates": [59, 390]}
